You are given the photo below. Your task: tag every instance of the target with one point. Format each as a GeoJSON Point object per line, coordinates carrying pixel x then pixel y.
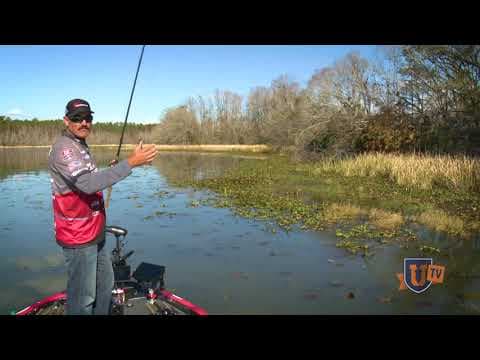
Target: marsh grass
{"type": "Point", "coordinates": [316, 196]}
{"type": "Point", "coordinates": [385, 219]}
{"type": "Point", "coordinates": [417, 171]}
{"type": "Point", "coordinates": [338, 212]}
{"type": "Point", "coordinates": [439, 220]}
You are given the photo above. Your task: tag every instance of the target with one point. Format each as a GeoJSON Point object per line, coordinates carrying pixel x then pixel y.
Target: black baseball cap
{"type": "Point", "coordinates": [77, 106]}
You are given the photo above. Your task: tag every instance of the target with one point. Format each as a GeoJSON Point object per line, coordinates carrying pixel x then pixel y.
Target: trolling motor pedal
{"type": "Point", "coordinates": [121, 269]}
{"type": "Point", "coordinates": [116, 230]}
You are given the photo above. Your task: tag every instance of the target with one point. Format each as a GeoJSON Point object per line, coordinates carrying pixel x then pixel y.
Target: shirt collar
{"type": "Point", "coordinates": [69, 134]}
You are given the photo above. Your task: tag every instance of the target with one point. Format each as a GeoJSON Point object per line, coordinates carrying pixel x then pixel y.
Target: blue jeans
{"type": "Point", "coordinates": [90, 280]}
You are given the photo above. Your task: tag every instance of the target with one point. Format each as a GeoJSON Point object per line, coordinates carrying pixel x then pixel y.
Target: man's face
{"type": "Point", "coordinates": [79, 129]}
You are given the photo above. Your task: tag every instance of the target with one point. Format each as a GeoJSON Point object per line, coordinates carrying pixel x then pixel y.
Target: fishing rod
{"type": "Point", "coordinates": [109, 192]}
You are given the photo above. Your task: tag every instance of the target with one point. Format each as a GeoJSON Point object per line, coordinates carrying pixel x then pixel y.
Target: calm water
{"type": "Point", "coordinates": [225, 263]}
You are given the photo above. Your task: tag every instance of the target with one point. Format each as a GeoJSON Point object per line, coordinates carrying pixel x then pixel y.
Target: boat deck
{"type": "Point", "coordinates": [134, 306]}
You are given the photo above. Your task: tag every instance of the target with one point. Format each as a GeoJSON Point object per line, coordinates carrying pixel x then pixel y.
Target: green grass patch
{"type": "Point", "coordinates": [316, 198]}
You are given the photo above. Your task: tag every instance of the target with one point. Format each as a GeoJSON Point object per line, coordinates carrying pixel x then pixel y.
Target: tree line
{"type": "Point", "coordinates": [406, 99]}
{"type": "Point", "coordinates": [44, 132]}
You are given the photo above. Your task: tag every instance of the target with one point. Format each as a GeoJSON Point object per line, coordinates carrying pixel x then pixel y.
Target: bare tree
{"type": "Point", "coordinates": [388, 81]}
{"type": "Point", "coordinates": [285, 110]}
{"type": "Point", "coordinates": [178, 126]}
{"type": "Point", "coordinates": [442, 79]}
{"type": "Point", "coordinates": [398, 101]}
{"type": "Point", "coordinates": [258, 111]}
{"type": "Point", "coordinates": [228, 109]}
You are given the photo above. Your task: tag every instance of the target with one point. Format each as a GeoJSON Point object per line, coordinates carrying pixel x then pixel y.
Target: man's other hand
{"type": "Point", "coordinates": [142, 154]}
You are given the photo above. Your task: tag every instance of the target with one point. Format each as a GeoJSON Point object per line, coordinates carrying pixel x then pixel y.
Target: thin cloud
{"type": "Point", "coordinates": [15, 111]}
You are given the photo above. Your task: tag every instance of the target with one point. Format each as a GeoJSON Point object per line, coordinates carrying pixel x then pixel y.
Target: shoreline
{"type": "Point", "coordinates": [215, 148]}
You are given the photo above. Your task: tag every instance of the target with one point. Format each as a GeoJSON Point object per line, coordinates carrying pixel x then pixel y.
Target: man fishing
{"type": "Point", "coordinates": [79, 211]}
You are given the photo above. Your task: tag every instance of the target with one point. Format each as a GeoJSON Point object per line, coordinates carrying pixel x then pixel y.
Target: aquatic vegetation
{"type": "Point", "coordinates": [385, 219]}
{"type": "Point", "coordinates": [429, 249]}
{"type": "Point", "coordinates": [361, 230]}
{"type": "Point", "coordinates": [353, 246]}
{"type": "Point", "coordinates": [441, 221]}
{"type": "Point", "coordinates": [194, 204]}
{"type": "Point", "coordinates": [160, 213]}
{"type": "Point", "coordinates": [319, 196]}
{"type": "Point", "coordinates": [366, 232]}
{"type": "Point", "coordinates": [161, 193]}
{"type": "Point", "coordinates": [416, 170]}
{"type": "Point", "coordinates": [337, 212]}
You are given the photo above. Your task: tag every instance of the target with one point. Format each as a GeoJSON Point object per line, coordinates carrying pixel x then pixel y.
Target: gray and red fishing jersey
{"type": "Point", "coordinates": [77, 184]}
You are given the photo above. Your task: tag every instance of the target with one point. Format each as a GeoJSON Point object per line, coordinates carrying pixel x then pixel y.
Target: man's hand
{"type": "Point", "coordinates": [143, 154]}
{"type": "Point", "coordinates": [113, 162]}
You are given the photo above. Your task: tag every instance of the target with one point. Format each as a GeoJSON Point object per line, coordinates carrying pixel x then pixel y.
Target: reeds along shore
{"type": "Point", "coordinates": [412, 170]}
{"type": "Point", "coordinates": [242, 148]}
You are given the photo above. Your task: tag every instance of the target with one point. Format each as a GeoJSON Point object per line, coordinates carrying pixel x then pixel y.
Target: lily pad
{"type": "Point", "coordinates": [194, 204]}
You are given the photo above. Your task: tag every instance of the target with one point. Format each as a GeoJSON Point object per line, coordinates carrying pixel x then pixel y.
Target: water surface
{"type": "Point", "coordinates": [224, 263]}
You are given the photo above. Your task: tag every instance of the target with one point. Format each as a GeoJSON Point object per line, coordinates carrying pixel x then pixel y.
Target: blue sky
{"type": "Point", "coordinates": [38, 80]}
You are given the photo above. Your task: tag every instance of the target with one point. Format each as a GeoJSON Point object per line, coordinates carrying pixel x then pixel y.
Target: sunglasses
{"type": "Point", "coordinates": [80, 118]}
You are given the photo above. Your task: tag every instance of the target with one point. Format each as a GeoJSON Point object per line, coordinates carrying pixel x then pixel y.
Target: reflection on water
{"type": "Point", "coordinates": [225, 263]}
{"type": "Point", "coordinates": [14, 161]}
{"type": "Point", "coordinates": [20, 160]}
{"type": "Point", "coordinates": [177, 166]}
